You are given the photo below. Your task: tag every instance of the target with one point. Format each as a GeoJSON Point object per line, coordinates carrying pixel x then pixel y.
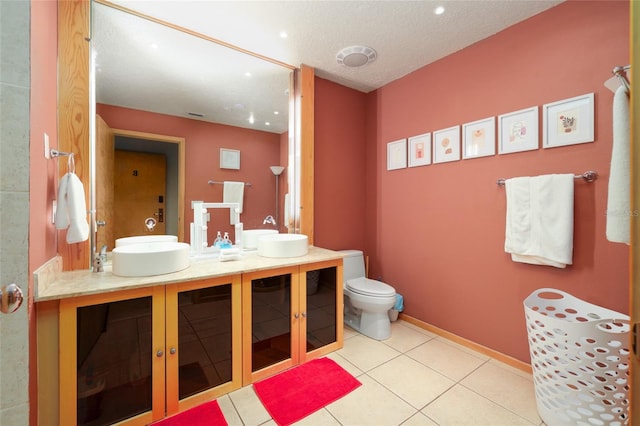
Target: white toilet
{"type": "Point", "coordinates": [366, 302]}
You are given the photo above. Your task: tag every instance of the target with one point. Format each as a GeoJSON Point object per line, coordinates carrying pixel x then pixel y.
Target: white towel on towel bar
{"type": "Point", "coordinates": [539, 225]}
{"type": "Point", "coordinates": [71, 210]}
{"type": "Point", "coordinates": [619, 200]}
{"type": "Point", "coordinates": [233, 192]}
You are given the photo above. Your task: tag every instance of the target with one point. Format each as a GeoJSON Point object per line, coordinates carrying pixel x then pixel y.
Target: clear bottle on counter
{"type": "Point", "coordinates": [218, 241]}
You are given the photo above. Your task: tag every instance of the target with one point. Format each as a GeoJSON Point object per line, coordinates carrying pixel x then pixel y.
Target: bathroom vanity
{"type": "Point", "coordinates": [135, 350]}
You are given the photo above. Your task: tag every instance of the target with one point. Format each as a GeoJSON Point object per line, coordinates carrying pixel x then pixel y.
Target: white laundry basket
{"type": "Point", "coordinates": [580, 360]}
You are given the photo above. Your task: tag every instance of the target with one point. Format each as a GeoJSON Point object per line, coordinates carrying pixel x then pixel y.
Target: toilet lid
{"type": "Point", "coordinates": [368, 287]}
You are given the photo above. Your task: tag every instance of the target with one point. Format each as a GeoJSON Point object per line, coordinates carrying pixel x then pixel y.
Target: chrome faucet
{"type": "Point", "coordinates": [269, 220]}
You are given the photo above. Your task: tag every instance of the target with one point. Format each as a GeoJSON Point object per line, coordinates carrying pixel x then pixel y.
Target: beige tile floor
{"type": "Point", "coordinates": [413, 378]}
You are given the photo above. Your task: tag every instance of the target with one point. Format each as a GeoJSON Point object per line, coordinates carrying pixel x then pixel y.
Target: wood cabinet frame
{"type": "Point", "coordinates": [298, 319]}
{"type": "Point", "coordinates": [58, 334]}
{"type": "Point", "coordinates": [165, 399]}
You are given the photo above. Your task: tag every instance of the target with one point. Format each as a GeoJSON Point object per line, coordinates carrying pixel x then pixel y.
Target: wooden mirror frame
{"type": "Point", "coordinates": [74, 111]}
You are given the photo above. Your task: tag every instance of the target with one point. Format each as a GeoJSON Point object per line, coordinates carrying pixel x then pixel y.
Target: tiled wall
{"type": "Point", "coordinates": [14, 206]}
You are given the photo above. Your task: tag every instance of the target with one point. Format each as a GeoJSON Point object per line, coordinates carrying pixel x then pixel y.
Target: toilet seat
{"type": "Point", "coordinates": [369, 287]}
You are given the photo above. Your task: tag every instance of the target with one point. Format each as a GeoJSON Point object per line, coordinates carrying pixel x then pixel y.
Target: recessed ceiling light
{"type": "Point", "coordinates": [248, 74]}
{"type": "Point", "coordinates": [266, 123]}
{"type": "Point", "coordinates": [356, 56]}
{"type": "Point", "coordinates": [154, 45]}
{"type": "Point", "coordinates": [439, 10]}
{"type": "Point", "coordinates": [276, 112]}
{"type": "Point", "coordinates": [283, 34]}
{"type": "Point", "coordinates": [251, 119]}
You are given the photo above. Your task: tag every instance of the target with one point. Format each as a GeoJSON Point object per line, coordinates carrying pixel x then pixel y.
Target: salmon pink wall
{"type": "Point", "coordinates": [42, 172]}
{"type": "Point", "coordinates": [339, 166]}
{"type": "Point", "coordinates": [258, 151]}
{"type": "Point", "coordinates": [439, 229]}
{"type": "Point", "coordinates": [43, 119]}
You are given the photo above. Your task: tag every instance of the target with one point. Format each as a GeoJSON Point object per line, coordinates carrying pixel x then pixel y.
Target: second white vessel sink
{"type": "Point", "coordinates": [150, 258]}
{"type": "Point", "coordinates": [283, 245]}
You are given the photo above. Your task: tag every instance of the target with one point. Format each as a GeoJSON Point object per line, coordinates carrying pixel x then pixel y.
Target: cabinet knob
{"type": "Point", "coordinates": [159, 353]}
{"type": "Point", "coordinates": [304, 314]}
{"type": "Point", "coordinates": [296, 315]}
{"type": "Point", "coordinates": [172, 351]}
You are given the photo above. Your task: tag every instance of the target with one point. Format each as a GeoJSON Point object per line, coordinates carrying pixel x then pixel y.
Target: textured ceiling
{"type": "Point", "coordinates": [406, 35]}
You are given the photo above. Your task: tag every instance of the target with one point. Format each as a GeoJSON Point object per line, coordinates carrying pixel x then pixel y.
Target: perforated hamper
{"type": "Point", "coordinates": [580, 360]}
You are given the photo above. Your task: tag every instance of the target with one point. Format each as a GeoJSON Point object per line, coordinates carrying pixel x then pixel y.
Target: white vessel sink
{"type": "Point", "coordinates": [146, 239]}
{"type": "Point", "coordinates": [250, 237]}
{"type": "Point", "coordinates": [150, 258]}
{"type": "Point", "coordinates": [283, 245]}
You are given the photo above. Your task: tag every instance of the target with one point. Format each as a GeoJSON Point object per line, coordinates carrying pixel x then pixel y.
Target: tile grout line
{"type": "Point", "coordinates": [497, 403]}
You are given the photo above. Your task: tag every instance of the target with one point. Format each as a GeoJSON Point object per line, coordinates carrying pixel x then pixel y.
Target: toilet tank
{"type": "Point", "coordinates": [353, 264]}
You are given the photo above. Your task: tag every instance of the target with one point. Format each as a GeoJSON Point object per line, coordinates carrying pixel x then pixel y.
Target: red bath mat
{"type": "Point", "coordinates": [207, 414]}
{"type": "Point", "coordinates": [303, 390]}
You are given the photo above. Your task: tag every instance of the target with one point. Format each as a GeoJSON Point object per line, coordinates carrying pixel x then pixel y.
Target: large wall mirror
{"type": "Point", "coordinates": [142, 68]}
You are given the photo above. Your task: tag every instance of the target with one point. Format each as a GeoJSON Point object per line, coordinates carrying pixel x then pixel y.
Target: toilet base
{"type": "Point", "coordinates": [374, 325]}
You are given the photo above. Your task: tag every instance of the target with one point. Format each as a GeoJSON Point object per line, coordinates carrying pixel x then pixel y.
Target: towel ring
{"type": "Point", "coordinates": [71, 163]}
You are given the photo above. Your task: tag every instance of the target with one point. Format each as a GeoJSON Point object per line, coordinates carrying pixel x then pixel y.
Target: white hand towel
{"type": "Point", "coordinates": [62, 210]}
{"type": "Point", "coordinates": [71, 212]}
{"type": "Point", "coordinates": [233, 192]}
{"type": "Point", "coordinates": [78, 226]}
{"type": "Point", "coordinates": [618, 202]}
{"type": "Point", "coordinates": [539, 225]}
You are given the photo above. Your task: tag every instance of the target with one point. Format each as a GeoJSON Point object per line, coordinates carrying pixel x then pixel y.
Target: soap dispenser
{"type": "Point", "coordinates": [226, 242]}
{"type": "Point", "coordinates": [218, 241]}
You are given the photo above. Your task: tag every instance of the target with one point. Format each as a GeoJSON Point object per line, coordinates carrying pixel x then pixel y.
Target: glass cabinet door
{"type": "Point", "coordinates": [270, 333]}
{"type": "Point", "coordinates": [114, 362]}
{"type": "Point", "coordinates": [108, 358]}
{"type": "Point", "coordinates": [321, 308]}
{"type": "Point", "coordinates": [203, 341]}
{"type": "Point", "coordinates": [270, 320]}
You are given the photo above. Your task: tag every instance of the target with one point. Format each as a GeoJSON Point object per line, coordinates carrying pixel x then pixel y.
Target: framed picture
{"type": "Point", "coordinates": [229, 159]}
{"type": "Point", "coordinates": [518, 131]}
{"type": "Point", "coordinates": [568, 122]}
{"type": "Point", "coordinates": [479, 138]}
{"type": "Point", "coordinates": [420, 150]}
{"type": "Point", "coordinates": [397, 154]}
{"type": "Point", "coordinates": [446, 145]}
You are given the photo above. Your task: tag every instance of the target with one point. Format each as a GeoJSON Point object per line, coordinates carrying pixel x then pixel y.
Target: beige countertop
{"type": "Point", "coordinates": [51, 283]}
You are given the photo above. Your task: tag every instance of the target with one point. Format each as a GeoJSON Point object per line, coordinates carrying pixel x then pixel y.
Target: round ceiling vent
{"type": "Point", "coordinates": [356, 56]}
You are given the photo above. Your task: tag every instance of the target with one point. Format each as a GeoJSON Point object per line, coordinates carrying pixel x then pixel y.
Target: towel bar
{"type": "Point", "coordinates": [213, 182]}
{"type": "Point", "coordinates": [588, 176]}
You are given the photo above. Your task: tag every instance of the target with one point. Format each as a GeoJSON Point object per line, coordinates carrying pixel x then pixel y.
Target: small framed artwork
{"type": "Point", "coordinates": [229, 159]}
{"type": "Point", "coordinates": [397, 154]}
{"type": "Point", "coordinates": [518, 131]}
{"type": "Point", "coordinates": [568, 122]}
{"type": "Point", "coordinates": [479, 138]}
{"type": "Point", "coordinates": [446, 145]}
{"type": "Point", "coordinates": [420, 150]}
